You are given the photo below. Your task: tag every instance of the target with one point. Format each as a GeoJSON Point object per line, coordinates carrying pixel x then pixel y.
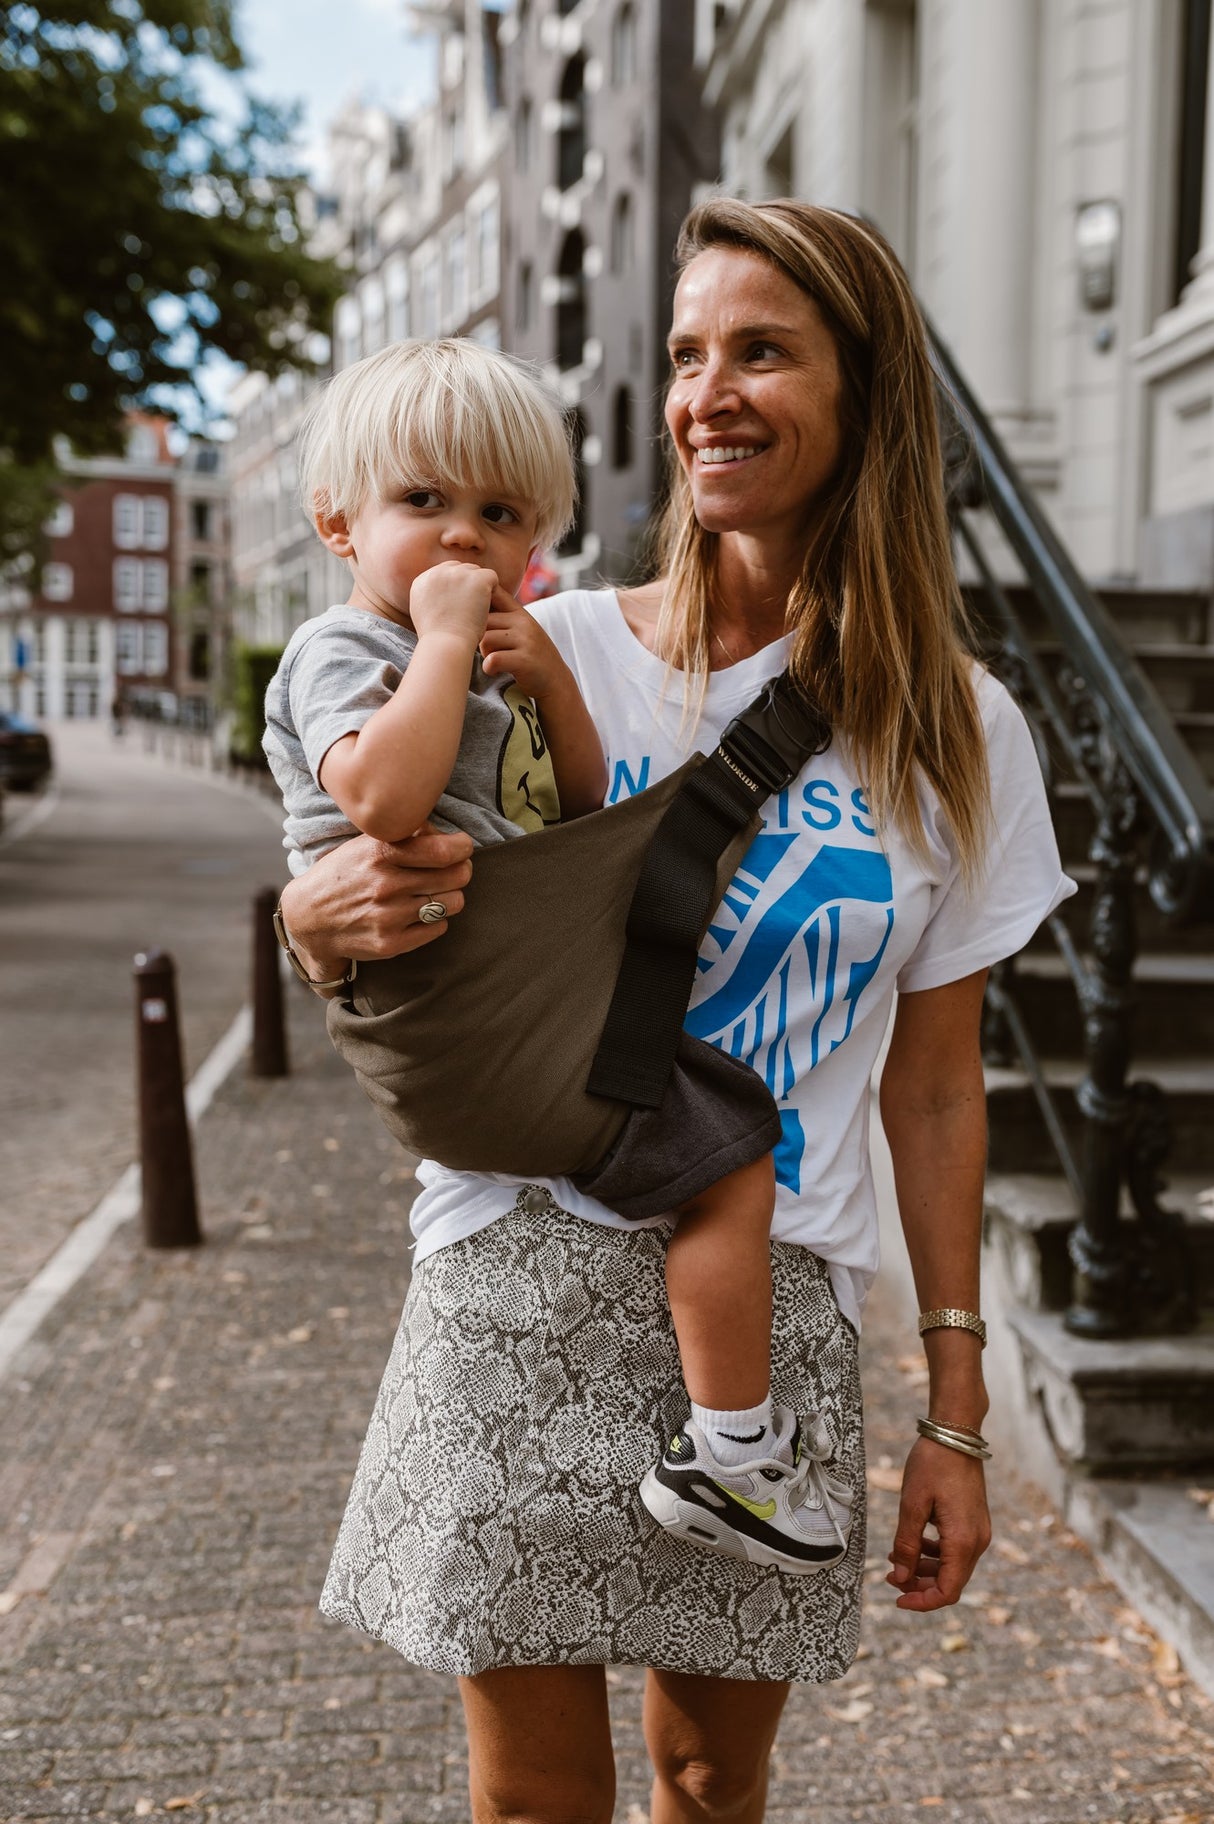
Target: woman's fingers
{"type": "Point", "coordinates": [943, 1527]}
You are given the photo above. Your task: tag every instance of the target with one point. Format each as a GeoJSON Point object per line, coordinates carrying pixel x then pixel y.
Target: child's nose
{"type": "Point", "coordinates": [463, 533]}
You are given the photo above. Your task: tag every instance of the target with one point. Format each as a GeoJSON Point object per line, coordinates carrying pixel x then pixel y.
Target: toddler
{"type": "Point", "coordinates": [434, 470]}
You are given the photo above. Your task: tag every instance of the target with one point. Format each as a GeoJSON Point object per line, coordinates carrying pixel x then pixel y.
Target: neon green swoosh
{"type": "Point", "coordinates": [762, 1510]}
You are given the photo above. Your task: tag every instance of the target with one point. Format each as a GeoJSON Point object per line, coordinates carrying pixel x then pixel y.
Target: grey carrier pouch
{"type": "Point", "coordinates": [542, 1035]}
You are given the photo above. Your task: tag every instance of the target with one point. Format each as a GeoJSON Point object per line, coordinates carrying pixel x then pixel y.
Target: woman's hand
{"type": "Point", "coordinates": [943, 1490]}
{"type": "Point", "coordinates": [362, 900]}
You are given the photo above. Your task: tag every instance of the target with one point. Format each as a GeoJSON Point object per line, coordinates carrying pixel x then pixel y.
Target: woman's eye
{"type": "Point", "coordinates": [682, 357]}
{"type": "Point", "coordinates": [423, 497]}
{"type": "Point", "coordinates": [760, 350]}
{"type": "Point", "coordinates": [500, 515]}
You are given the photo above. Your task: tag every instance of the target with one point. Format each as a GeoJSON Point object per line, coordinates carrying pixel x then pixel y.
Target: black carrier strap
{"type": "Point", "coordinates": [761, 752]}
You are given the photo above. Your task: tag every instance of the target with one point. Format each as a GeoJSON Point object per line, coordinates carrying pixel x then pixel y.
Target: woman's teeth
{"type": "Point", "coordinates": [740, 454]}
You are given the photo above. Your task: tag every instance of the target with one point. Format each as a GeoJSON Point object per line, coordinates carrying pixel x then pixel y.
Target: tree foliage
{"type": "Point", "coordinates": [140, 228]}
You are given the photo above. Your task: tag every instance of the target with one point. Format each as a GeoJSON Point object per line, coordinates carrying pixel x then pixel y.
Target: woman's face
{"type": "Point", "coordinates": [754, 404]}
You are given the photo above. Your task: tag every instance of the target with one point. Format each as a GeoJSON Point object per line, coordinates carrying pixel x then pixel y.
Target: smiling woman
{"type": "Point", "coordinates": [494, 1529]}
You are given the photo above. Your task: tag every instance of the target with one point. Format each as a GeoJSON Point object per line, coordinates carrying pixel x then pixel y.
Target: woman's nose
{"type": "Point", "coordinates": [715, 391]}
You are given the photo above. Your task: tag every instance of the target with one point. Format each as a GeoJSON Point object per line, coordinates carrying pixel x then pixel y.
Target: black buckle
{"type": "Point", "coordinates": [793, 729]}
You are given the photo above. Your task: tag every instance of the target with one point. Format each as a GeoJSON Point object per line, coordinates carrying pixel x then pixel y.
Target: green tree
{"type": "Point", "coordinates": [141, 229]}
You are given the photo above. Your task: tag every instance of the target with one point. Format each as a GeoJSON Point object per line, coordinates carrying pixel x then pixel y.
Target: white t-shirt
{"type": "Point", "coordinates": [821, 924]}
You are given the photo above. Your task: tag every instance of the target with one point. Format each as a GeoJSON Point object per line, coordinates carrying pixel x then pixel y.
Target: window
{"type": "Point", "coordinates": [571, 301]}
{"type": "Point", "coordinates": [621, 428]}
{"type": "Point", "coordinates": [622, 250]}
{"type": "Point", "coordinates": [522, 135]}
{"type": "Point", "coordinates": [348, 332]}
{"type": "Point", "coordinates": [575, 538]}
{"type": "Point", "coordinates": [155, 522]}
{"type": "Point", "coordinates": [453, 143]}
{"type": "Point", "coordinates": [200, 519]}
{"type": "Point", "coordinates": [127, 521]}
{"type": "Point", "coordinates": [396, 284]}
{"type": "Point", "coordinates": [486, 230]}
{"type": "Point", "coordinates": [623, 46]}
{"type": "Point", "coordinates": [155, 584]}
{"type": "Point", "coordinates": [126, 648]}
{"type": "Point", "coordinates": [155, 649]}
{"type": "Point", "coordinates": [571, 137]}
{"type": "Point", "coordinates": [128, 581]}
{"type": "Point", "coordinates": [373, 316]}
{"type": "Point", "coordinates": [61, 521]}
{"type": "Point", "coordinates": [456, 298]}
{"type": "Point", "coordinates": [525, 302]}
{"type": "Point", "coordinates": [57, 582]}
{"type": "Point", "coordinates": [200, 655]}
{"type": "Point", "coordinates": [143, 445]}
{"type": "Point", "coordinates": [427, 292]}
{"type": "Point", "coordinates": [81, 642]}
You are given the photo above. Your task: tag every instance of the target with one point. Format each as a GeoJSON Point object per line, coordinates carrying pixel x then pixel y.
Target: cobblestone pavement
{"type": "Point", "coordinates": [135, 852]}
{"type": "Point", "coordinates": [177, 1444]}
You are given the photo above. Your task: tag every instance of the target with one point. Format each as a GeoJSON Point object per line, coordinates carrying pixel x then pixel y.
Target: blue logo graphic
{"type": "Point", "coordinates": [839, 906]}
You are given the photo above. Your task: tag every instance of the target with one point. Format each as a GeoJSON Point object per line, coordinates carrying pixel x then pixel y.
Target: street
{"type": "Point", "coordinates": [138, 851]}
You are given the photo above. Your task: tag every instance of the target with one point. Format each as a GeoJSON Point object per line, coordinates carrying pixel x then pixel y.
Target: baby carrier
{"type": "Point", "coordinates": [542, 1035]}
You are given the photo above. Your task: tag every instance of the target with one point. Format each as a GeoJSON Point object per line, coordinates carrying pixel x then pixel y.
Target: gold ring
{"type": "Point", "coordinates": [431, 912]}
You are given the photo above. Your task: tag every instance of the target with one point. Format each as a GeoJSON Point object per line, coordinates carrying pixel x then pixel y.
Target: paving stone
{"type": "Point", "coordinates": [177, 1651]}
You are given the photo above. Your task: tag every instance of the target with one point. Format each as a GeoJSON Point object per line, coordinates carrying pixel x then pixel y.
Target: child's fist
{"type": "Point", "coordinates": [452, 598]}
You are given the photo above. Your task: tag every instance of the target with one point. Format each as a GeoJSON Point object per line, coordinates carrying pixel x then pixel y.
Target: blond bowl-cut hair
{"type": "Point", "coordinates": [877, 622]}
{"type": "Point", "coordinates": [442, 414]}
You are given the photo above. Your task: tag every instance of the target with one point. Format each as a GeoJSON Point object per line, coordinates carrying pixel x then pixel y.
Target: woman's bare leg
{"type": "Point", "coordinates": [539, 1745]}
{"type": "Point", "coordinates": [718, 1281]}
{"type": "Point", "coordinates": [710, 1743]}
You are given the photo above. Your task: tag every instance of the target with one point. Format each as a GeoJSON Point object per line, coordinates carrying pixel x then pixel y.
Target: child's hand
{"type": "Point", "coordinates": [515, 642]}
{"type": "Point", "coordinates": [452, 598]}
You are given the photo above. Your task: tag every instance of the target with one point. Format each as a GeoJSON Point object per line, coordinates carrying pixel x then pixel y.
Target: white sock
{"type": "Point", "coordinates": [737, 1437]}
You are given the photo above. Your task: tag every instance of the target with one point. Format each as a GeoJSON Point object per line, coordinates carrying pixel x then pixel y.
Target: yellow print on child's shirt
{"type": "Point", "coordinates": [526, 784]}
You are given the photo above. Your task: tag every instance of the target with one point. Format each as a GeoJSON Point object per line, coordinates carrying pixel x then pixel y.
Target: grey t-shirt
{"type": "Point", "coordinates": [337, 670]}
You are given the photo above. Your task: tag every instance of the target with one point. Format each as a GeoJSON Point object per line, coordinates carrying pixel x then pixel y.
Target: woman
{"type": "Point", "coordinates": [492, 1531]}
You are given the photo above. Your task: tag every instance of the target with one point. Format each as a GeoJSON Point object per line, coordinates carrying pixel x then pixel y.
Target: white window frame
{"type": "Point", "coordinates": [154, 594]}
{"type": "Point", "coordinates": [58, 582]}
{"type": "Point", "coordinates": [62, 520]}
{"type": "Point", "coordinates": [128, 584]}
{"type": "Point", "coordinates": [128, 649]}
{"type": "Point", "coordinates": [155, 655]}
{"type": "Point", "coordinates": [155, 522]}
{"type": "Point", "coordinates": [128, 522]}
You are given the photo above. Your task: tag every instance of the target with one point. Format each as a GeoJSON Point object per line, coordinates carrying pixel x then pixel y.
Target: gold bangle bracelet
{"type": "Point", "coordinates": [948, 1317]}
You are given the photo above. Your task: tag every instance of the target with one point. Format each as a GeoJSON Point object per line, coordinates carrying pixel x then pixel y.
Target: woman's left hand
{"type": "Point", "coordinates": [943, 1490]}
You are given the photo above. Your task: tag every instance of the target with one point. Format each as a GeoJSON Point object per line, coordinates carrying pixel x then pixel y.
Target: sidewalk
{"type": "Point", "coordinates": [177, 1444]}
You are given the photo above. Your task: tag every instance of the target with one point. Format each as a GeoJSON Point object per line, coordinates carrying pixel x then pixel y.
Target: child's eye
{"type": "Point", "coordinates": [498, 514]}
{"type": "Point", "coordinates": [423, 497]}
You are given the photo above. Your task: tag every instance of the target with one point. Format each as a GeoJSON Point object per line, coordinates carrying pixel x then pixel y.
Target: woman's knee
{"type": "Point", "coordinates": [717, 1789]}
{"type": "Point", "coordinates": [499, 1798]}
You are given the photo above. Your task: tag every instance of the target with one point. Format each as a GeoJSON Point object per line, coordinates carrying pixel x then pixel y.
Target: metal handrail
{"type": "Point", "coordinates": [1164, 771]}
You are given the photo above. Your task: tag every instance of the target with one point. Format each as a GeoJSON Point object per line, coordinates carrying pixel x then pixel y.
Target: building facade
{"type": "Point", "coordinates": [609, 140]}
{"type": "Point", "coordinates": [96, 621]}
{"type": "Point", "coordinates": [1046, 170]}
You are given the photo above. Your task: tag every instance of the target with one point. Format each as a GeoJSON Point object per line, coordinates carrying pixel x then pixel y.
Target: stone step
{"type": "Point", "coordinates": [1157, 1544]}
{"type": "Point", "coordinates": [1018, 1138]}
{"type": "Point", "coordinates": [1174, 1004]}
{"type": "Point", "coordinates": [1156, 934]}
{"type": "Point", "coordinates": [1128, 1407]}
{"type": "Point", "coordinates": [1029, 1216]}
{"type": "Point", "coordinates": [1141, 615]}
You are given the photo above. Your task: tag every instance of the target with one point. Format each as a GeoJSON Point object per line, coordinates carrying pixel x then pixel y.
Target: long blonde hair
{"type": "Point", "coordinates": [876, 615]}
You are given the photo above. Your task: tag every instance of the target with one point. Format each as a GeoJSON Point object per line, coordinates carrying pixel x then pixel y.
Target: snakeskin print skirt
{"type": "Point", "coordinates": [494, 1518]}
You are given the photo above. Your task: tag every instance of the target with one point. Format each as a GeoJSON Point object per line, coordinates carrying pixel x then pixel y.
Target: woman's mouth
{"type": "Point", "coordinates": [716, 454]}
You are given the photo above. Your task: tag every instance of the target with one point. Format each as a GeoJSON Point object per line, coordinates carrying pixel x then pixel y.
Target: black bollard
{"type": "Point", "coordinates": [170, 1205]}
{"type": "Point", "coordinates": [269, 1026]}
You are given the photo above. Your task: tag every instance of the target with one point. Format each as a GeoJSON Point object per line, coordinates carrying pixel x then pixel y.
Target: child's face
{"type": "Point", "coordinates": [389, 543]}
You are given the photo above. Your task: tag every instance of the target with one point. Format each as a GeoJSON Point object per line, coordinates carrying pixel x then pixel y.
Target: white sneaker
{"type": "Point", "coordinates": [795, 1514]}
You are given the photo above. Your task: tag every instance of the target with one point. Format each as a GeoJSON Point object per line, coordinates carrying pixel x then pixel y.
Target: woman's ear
{"type": "Point", "coordinates": [334, 533]}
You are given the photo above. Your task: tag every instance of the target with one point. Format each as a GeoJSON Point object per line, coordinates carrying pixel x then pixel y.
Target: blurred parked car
{"type": "Point", "coordinates": [25, 753]}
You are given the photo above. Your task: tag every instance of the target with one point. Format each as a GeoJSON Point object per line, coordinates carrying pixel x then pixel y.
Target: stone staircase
{"type": "Point", "coordinates": [1118, 1431]}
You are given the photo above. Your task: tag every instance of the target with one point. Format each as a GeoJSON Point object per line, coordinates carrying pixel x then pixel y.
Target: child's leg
{"type": "Point", "coordinates": [718, 1281]}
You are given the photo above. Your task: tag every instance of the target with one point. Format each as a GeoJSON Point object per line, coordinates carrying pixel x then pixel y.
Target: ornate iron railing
{"type": "Point", "coordinates": [1100, 716]}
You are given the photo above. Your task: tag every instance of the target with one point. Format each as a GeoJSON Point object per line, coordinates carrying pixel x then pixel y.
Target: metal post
{"type": "Point", "coordinates": [170, 1206]}
{"type": "Point", "coordinates": [269, 1057]}
{"type": "Point", "coordinates": [1102, 1246]}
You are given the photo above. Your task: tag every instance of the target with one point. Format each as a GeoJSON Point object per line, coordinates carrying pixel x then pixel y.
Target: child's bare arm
{"type": "Point", "coordinates": [515, 642]}
{"type": "Point", "coordinates": [388, 776]}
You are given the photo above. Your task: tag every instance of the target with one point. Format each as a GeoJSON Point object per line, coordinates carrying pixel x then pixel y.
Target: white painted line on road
{"type": "Point", "coordinates": [37, 813]}
{"type": "Point", "coordinates": [73, 1257]}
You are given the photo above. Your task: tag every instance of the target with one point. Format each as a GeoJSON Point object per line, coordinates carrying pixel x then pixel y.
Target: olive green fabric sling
{"type": "Point", "coordinates": [571, 965]}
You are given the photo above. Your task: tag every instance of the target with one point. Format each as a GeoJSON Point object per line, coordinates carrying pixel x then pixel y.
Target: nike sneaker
{"type": "Point", "coordinates": [790, 1510]}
